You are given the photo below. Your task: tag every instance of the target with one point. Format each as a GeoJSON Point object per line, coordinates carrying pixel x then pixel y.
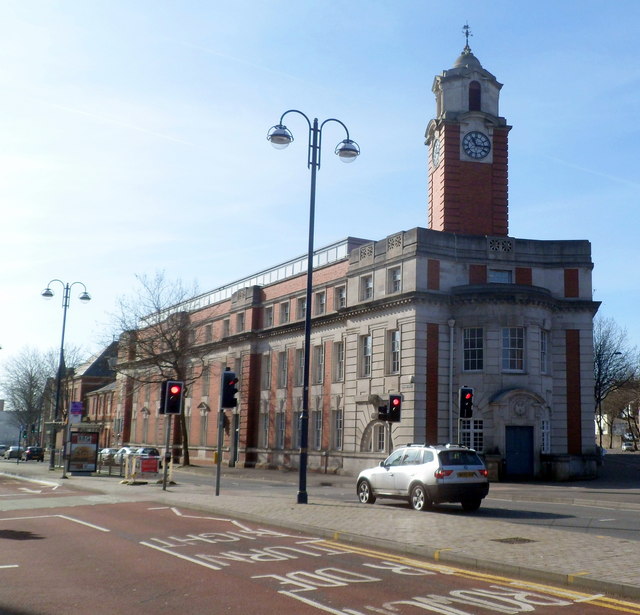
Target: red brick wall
{"type": "Point", "coordinates": [574, 404]}
{"type": "Point", "coordinates": [431, 435]}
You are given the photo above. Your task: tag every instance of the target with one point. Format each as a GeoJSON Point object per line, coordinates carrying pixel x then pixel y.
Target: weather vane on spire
{"type": "Point", "coordinates": [467, 33]}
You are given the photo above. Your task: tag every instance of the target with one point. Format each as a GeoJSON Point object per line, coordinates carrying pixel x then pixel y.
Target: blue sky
{"type": "Point", "coordinates": [133, 138]}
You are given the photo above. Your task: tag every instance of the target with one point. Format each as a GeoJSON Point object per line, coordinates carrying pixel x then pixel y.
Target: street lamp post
{"type": "Point", "coordinates": [348, 150]}
{"type": "Point", "coordinates": [84, 296]}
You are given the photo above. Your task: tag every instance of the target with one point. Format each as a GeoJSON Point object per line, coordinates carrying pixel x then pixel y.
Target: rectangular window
{"type": "Point", "coordinates": [301, 309]}
{"type": "Point", "coordinates": [473, 349]}
{"type": "Point", "coordinates": [394, 280]}
{"type": "Point", "coordinates": [284, 312]}
{"type": "Point", "coordinates": [472, 433]}
{"type": "Point", "coordinates": [268, 316]}
{"type": "Point", "coordinates": [299, 368]}
{"type": "Point", "coordinates": [500, 276]}
{"type": "Point", "coordinates": [545, 432]}
{"type": "Point", "coordinates": [265, 378]}
{"type": "Point", "coordinates": [205, 377]}
{"type": "Point", "coordinates": [226, 327]}
{"type": "Point", "coordinates": [318, 364]}
{"type": "Point", "coordinates": [264, 427]}
{"type": "Point", "coordinates": [338, 430]}
{"type": "Point", "coordinates": [366, 287]}
{"type": "Point", "coordinates": [513, 349]}
{"type": "Point", "coordinates": [317, 429]}
{"type": "Point", "coordinates": [282, 370]}
{"type": "Point", "coordinates": [296, 419]}
{"type": "Point", "coordinates": [240, 322]}
{"type": "Point", "coordinates": [320, 303]}
{"type": "Point", "coordinates": [338, 361]}
{"type": "Point", "coordinates": [378, 438]}
{"type": "Point", "coordinates": [341, 297]}
{"type": "Point", "coordinates": [281, 426]}
{"type": "Point", "coordinates": [366, 355]}
{"type": "Point", "coordinates": [544, 351]}
{"type": "Point", "coordinates": [204, 428]}
{"type": "Point", "coordinates": [394, 352]}
{"type": "Point", "coordinates": [208, 333]}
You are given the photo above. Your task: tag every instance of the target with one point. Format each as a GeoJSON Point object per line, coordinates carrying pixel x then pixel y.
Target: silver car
{"type": "Point", "coordinates": [425, 475]}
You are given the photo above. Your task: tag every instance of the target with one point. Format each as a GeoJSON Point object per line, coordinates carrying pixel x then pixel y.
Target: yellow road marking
{"type": "Point", "coordinates": [621, 606]}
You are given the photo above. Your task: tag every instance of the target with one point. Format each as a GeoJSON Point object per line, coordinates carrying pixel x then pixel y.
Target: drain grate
{"type": "Point", "coordinates": [515, 540]}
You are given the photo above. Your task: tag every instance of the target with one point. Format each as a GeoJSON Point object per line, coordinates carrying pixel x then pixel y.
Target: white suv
{"type": "Point", "coordinates": [426, 475]}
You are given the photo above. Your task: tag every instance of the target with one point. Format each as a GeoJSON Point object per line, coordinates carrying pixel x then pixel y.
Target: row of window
{"type": "Point", "coordinates": [512, 349]}
{"type": "Point", "coordinates": [315, 430]}
{"type": "Point", "coordinates": [472, 434]}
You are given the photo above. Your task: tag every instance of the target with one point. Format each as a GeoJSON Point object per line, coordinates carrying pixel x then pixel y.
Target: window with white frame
{"type": "Point", "coordinates": [318, 364]}
{"type": "Point", "coordinates": [473, 349]}
{"type": "Point", "coordinates": [513, 349]}
{"type": "Point", "coordinates": [282, 370]}
{"type": "Point", "coordinates": [281, 427]}
{"type": "Point", "coordinates": [545, 433]}
{"type": "Point", "coordinates": [268, 316]}
{"type": "Point", "coordinates": [265, 378]}
{"type": "Point", "coordinates": [316, 418]}
{"type": "Point", "coordinates": [394, 280]}
{"type": "Point", "coordinates": [338, 430]}
{"type": "Point", "coordinates": [296, 432]}
{"type": "Point", "coordinates": [338, 361]}
{"type": "Point", "coordinates": [299, 367]}
{"type": "Point", "coordinates": [378, 438]}
{"type": "Point", "coordinates": [284, 312]}
{"type": "Point", "coordinates": [544, 351]}
{"type": "Point", "coordinates": [301, 308]}
{"type": "Point", "coordinates": [394, 352]}
{"type": "Point", "coordinates": [320, 303]}
{"type": "Point", "coordinates": [264, 426]}
{"type": "Point", "coordinates": [499, 276]}
{"type": "Point", "coordinates": [472, 433]}
{"type": "Point", "coordinates": [366, 287]}
{"type": "Point", "coordinates": [204, 428]}
{"type": "Point", "coordinates": [340, 297]}
{"type": "Point", "coordinates": [366, 355]}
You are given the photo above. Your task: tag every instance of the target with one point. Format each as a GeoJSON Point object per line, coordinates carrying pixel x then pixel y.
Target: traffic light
{"type": "Point", "coordinates": [465, 402]}
{"type": "Point", "coordinates": [171, 396]}
{"type": "Point", "coordinates": [229, 389]}
{"type": "Point", "coordinates": [24, 434]}
{"type": "Point", "coordinates": [33, 428]}
{"type": "Point", "coordinates": [391, 410]}
{"type": "Point", "coordinates": [395, 407]}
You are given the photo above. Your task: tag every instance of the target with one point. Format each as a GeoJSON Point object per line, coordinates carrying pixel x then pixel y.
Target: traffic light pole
{"type": "Point", "coordinates": [167, 453]}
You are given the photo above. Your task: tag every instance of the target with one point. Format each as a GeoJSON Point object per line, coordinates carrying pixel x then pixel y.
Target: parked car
{"type": "Point", "coordinates": [121, 453]}
{"type": "Point", "coordinates": [13, 452]}
{"type": "Point", "coordinates": [3, 449]}
{"type": "Point", "coordinates": [628, 446]}
{"type": "Point", "coordinates": [425, 475]}
{"type": "Point", "coordinates": [106, 455]}
{"type": "Point", "coordinates": [33, 453]}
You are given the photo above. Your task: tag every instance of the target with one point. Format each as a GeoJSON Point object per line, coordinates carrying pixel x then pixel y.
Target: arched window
{"type": "Point", "coordinates": [474, 96]}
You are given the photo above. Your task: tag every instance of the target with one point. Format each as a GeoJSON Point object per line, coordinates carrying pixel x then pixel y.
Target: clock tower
{"type": "Point", "coordinates": [467, 144]}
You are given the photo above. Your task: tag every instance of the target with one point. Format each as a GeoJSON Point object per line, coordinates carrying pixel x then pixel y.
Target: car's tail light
{"type": "Point", "coordinates": [440, 473]}
{"type": "Point", "coordinates": [484, 473]}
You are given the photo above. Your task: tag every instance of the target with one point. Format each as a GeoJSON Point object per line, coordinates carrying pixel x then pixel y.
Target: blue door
{"type": "Point", "coordinates": [519, 453]}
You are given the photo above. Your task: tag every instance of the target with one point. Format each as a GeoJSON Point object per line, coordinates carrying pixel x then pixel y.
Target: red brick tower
{"type": "Point", "coordinates": [468, 160]}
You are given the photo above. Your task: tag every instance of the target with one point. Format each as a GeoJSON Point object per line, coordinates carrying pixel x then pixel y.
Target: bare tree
{"type": "Point", "coordinates": [157, 322]}
{"type": "Point", "coordinates": [615, 363]}
{"type": "Point", "coordinates": [25, 379]}
{"type": "Point", "coordinates": [622, 404]}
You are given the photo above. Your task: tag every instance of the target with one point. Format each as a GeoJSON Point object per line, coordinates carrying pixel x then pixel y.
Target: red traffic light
{"type": "Point", "coordinates": [468, 396]}
{"type": "Point", "coordinates": [175, 389]}
{"type": "Point", "coordinates": [395, 401]}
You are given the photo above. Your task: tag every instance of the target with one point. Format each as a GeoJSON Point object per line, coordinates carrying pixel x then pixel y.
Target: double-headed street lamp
{"type": "Point", "coordinates": [348, 150]}
{"type": "Point", "coordinates": [85, 297]}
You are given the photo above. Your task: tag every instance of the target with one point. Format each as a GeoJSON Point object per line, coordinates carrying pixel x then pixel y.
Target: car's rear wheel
{"type": "Point", "coordinates": [365, 493]}
{"type": "Point", "coordinates": [472, 504]}
{"type": "Point", "coordinates": [419, 498]}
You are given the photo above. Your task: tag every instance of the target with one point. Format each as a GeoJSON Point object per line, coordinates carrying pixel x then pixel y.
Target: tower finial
{"type": "Point", "coordinates": [467, 33]}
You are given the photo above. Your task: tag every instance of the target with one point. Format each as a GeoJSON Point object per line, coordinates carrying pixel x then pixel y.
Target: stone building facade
{"type": "Point", "coordinates": [421, 313]}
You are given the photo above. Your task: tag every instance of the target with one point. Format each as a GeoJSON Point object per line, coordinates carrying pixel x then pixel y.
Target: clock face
{"type": "Point", "coordinates": [435, 152]}
{"type": "Point", "coordinates": [476, 145]}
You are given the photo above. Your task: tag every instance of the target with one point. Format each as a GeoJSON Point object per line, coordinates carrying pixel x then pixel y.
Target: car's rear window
{"type": "Point", "coordinates": [459, 458]}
